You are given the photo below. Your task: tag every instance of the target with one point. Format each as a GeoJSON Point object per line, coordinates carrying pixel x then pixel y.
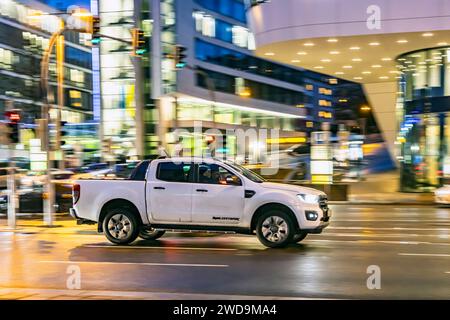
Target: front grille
{"type": "Point", "coordinates": [323, 202]}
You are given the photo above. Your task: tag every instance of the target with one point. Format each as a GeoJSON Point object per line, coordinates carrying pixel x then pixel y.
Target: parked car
{"type": "Point", "coordinates": [442, 195]}
{"type": "Point", "coordinates": [31, 200]}
{"type": "Point", "coordinates": [4, 177]}
{"type": "Point", "coordinates": [201, 195]}
{"type": "Point", "coordinates": [39, 178]}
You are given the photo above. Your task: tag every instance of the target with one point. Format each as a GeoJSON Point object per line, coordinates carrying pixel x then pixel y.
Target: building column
{"type": "Point", "coordinates": [382, 97]}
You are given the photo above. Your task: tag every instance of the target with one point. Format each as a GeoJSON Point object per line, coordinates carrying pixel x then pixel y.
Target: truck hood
{"type": "Point", "coordinates": [292, 188]}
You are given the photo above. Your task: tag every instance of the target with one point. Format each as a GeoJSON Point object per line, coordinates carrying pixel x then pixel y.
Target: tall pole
{"type": "Point", "coordinates": [60, 81]}
{"type": "Point", "coordinates": [139, 89]}
{"type": "Point", "coordinates": [49, 190]}
{"type": "Point", "coordinates": [11, 181]}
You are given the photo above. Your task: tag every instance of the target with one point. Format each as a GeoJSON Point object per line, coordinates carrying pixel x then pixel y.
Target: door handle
{"type": "Point", "coordinates": [201, 190]}
{"type": "Point", "coordinates": [159, 188]}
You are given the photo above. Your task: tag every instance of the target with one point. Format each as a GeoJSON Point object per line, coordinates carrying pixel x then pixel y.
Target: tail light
{"type": "Point", "coordinates": [76, 190]}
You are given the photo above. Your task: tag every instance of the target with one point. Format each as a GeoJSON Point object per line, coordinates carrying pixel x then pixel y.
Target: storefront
{"type": "Point", "coordinates": [424, 126]}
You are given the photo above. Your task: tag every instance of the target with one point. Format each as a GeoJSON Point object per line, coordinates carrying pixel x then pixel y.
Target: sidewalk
{"type": "Point", "coordinates": [66, 294]}
{"type": "Point", "coordinates": [34, 224]}
{"type": "Point", "coordinates": [383, 188]}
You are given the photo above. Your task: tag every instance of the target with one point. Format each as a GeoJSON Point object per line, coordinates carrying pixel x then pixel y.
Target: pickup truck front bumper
{"type": "Point", "coordinates": [318, 229]}
{"type": "Point", "coordinates": [324, 221]}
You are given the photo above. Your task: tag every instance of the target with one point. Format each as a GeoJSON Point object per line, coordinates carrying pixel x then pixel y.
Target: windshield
{"type": "Point", "coordinates": [246, 172]}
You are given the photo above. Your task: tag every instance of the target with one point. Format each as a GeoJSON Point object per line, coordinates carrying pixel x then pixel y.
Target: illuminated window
{"type": "Point", "coordinates": [205, 24]}
{"type": "Point", "coordinates": [209, 26]}
{"type": "Point", "coordinates": [240, 36]}
{"type": "Point", "coordinates": [309, 124]}
{"type": "Point", "coordinates": [324, 103]}
{"type": "Point", "coordinates": [333, 81]}
{"type": "Point", "coordinates": [76, 76]}
{"type": "Point", "coordinates": [309, 87]}
{"type": "Point", "coordinates": [251, 41]}
{"type": "Point", "coordinates": [325, 91]}
{"type": "Point", "coordinates": [324, 114]}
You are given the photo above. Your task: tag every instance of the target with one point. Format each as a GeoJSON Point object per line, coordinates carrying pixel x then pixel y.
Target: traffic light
{"type": "Point", "coordinates": [13, 118]}
{"type": "Point", "coordinates": [63, 132]}
{"type": "Point", "coordinates": [139, 42]}
{"type": "Point", "coordinates": [96, 38]}
{"type": "Point", "coordinates": [180, 56]}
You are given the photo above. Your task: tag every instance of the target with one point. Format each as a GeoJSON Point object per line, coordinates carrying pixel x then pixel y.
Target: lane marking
{"type": "Point", "coordinates": [140, 264]}
{"type": "Point", "coordinates": [390, 220]}
{"type": "Point", "coordinates": [163, 248]}
{"type": "Point", "coordinates": [442, 255]}
{"type": "Point", "coordinates": [387, 235]}
{"type": "Point", "coordinates": [382, 241]}
{"type": "Point", "coordinates": [392, 228]}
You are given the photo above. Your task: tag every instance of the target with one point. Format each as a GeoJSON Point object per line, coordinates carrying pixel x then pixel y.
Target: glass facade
{"type": "Point", "coordinates": [117, 78]}
{"type": "Point", "coordinates": [230, 8]}
{"type": "Point", "coordinates": [211, 53]}
{"type": "Point", "coordinates": [219, 47]}
{"type": "Point", "coordinates": [193, 110]}
{"type": "Point", "coordinates": [424, 123]}
{"type": "Point", "coordinates": [263, 91]}
{"type": "Point", "coordinates": [209, 26]}
{"type": "Point", "coordinates": [23, 40]}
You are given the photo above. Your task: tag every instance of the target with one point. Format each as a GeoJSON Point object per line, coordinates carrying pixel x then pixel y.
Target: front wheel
{"type": "Point", "coordinates": [151, 234]}
{"type": "Point", "coordinates": [121, 226]}
{"type": "Point", "coordinates": [275, 229]}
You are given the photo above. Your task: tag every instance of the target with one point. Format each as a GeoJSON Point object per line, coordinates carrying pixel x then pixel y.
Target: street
{"type": "Point", "coordinates": [410, 245]}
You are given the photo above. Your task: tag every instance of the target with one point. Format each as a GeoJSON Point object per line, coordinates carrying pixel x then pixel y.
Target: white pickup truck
{"type": "Point", "coordinates": [198, 194]}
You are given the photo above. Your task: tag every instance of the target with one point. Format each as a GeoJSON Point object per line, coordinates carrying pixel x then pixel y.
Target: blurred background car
{"type": "Point", "coordinates": [442, 195]}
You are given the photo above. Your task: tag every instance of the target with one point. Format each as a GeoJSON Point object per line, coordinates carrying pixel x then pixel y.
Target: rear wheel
{"type": "Point", "coordinates": [151, 234]}
{"type": "Point", "coordinates": [121, 226]}
{"type": "Point", "coordinates": [275, 229]}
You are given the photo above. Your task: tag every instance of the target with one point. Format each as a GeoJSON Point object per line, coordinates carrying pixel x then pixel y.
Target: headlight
{"type": "Point", "coordinates": [309, 198]}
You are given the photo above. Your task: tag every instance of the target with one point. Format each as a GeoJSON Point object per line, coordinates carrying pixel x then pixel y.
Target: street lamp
{"type": "Point", "coordinates": [58, 39]}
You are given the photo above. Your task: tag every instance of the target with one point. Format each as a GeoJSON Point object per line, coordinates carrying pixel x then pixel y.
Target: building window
{"type": "Point", "coordinates": [324, 103]}
{"type": "Point", "coordinates": [240, 36]}
{"type": "Point", "coordinates": [210, 27]}
{"type": "Point", "coordinates": [205, 24]}
{"type": "Point", "coordinates": [218, 55]}
{"type": "Point", "coordinates": [231, 8]}
{"type": "Point", "coordinates": [325, 91]}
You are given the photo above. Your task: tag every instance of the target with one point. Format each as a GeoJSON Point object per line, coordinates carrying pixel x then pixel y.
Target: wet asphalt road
{"type": "Point", "coordinates": [411, 245]}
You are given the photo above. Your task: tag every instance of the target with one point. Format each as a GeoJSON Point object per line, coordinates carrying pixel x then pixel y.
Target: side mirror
{"type": "Point", "coordinates": [232, 180]}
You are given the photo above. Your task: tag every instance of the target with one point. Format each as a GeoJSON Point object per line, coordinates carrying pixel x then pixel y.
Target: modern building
{"type": "Point", "coordinates": [24, 36]}
{"type": "Point", "coordinates": [398, 50]}
{"type": "Point", "coordinates": [224, 84]}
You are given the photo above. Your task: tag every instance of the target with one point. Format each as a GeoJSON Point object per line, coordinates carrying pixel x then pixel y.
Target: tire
{"type": "Point", "coordinates": [151, 234]}
{"type": "Point", "coordinates": [275, 228]}
{"type": "Point", "coordinates": [121, 226]}
{"type": "Point", "coordinates": [299, 237]}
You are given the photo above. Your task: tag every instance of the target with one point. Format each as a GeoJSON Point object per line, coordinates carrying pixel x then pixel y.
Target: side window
{"type": "Point", "coordinates": [140, 171]}
{"type": "Point", "coordinates": [174, 172]}
{"type": "Point", "coordinates": [211, 173]}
